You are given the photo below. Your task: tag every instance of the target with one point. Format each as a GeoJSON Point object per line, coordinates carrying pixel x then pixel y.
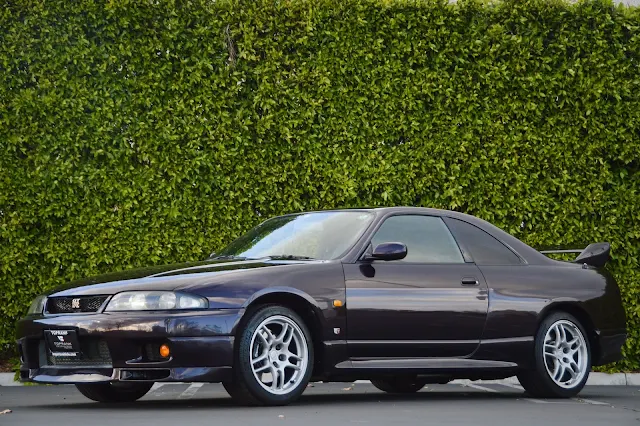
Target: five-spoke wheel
{"type": "Point", "coordinates": [562, 358]}
{"type": "Point", "coordinates": [279, 354]}
{"type": "Point", "coordinates": [274, 358]}
{"type": "Point", "coordinates": [565, 353]}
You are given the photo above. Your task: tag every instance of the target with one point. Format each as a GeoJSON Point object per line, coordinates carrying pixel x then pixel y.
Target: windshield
{"type": "Point", "coordinates": [321, 235]}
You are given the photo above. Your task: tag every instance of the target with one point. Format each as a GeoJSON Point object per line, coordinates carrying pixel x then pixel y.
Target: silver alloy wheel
{"type": "Point", "coordinates": [565, 354]}
{"type": "Point", "coordinates": [279, 354]}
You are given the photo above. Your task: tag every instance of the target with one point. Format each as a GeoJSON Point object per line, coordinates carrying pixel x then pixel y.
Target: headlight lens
{"type": "Point", "coordinates": [37, 306]}
{"type": "Point", "coordinates": [155, 301]}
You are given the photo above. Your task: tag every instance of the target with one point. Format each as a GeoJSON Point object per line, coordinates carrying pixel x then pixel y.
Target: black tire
{"type": "Point", "coordinates": [538, 382]}
{"type": "Point", "coordinates": [399, 384]}
{"type": "Point", "coordinates": [244, 387]}
{"type": "Point", "coordinates": [114, 392]}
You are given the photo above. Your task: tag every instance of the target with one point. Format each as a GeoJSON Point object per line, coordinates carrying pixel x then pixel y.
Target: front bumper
{"type": "Point", "coordinates": [120, 346]}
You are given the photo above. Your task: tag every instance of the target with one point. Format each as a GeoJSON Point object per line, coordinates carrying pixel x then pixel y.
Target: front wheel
{"type": "Point", "coordinates": [114, 392]}
{"type": "Point", "coordinates": [562, 359]}
{"type": "Point", "coordinates": [274, 358]}
{"type": "Point", "coordinates": [399, 384]}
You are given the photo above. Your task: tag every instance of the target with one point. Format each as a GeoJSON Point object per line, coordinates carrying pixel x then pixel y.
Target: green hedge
{"type": "Point", "coordinates": [143, 132]}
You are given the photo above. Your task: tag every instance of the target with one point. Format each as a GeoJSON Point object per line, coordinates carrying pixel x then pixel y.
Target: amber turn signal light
{"type": "Point", "coordinates": [337, 303]}
{"type": "Point", "coordinates": [164, 351]}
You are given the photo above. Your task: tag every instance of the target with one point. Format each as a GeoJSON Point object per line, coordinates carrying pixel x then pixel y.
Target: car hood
{"type": "Point", "coordinates": [184, 276]}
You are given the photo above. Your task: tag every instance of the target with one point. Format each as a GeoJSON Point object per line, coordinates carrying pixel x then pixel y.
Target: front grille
{"type": "Point", "coordinates": [92, 352]}
{"type": "Point", "coordinates": [68, 305]}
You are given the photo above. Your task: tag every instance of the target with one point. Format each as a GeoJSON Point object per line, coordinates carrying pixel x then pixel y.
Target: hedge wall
{"type": "Point", "coordinates": [143, 132]}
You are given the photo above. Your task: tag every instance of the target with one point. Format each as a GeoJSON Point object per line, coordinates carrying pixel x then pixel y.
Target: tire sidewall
{"type": "Point", "coordinates": [539, 355]}
{"type": "Point", "coordinates": [243, 356]}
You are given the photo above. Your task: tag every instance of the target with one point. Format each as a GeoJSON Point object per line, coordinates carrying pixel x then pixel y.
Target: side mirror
{"type": "Point", "coordinates": [388, 251]}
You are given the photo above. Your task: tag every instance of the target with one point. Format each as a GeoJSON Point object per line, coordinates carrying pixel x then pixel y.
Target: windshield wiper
{"type": "Point", "coordinates": [289, 257]}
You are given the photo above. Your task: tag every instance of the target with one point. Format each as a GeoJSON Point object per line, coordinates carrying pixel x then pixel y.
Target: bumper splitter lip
{"type": "Point", "coordinates": [103, 375]}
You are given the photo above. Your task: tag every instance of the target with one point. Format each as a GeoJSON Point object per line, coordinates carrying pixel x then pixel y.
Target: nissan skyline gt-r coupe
{"type": "Point", "coordinates": [400, 296]}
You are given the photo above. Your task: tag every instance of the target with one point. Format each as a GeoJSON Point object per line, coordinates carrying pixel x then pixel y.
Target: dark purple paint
{"type": "Point", "coordinates": [394, 314]}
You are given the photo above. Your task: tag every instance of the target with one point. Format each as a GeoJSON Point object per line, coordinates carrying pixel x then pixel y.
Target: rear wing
{"type": "Point", "coordinates": [596, 254]}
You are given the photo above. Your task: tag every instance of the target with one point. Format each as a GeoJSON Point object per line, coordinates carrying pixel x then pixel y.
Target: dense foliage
{"type": "Point", "coordinates": [143, 132]}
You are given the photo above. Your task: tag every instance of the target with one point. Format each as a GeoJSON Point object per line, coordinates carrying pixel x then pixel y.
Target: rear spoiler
{"type": "Point", "coordinates": [596, 254]}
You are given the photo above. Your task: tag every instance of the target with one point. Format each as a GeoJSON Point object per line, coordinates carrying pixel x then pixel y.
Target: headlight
{"type": "Point", "coordinates": [155, 301]}
{"type": "Point", "coordinates": [37, 306]}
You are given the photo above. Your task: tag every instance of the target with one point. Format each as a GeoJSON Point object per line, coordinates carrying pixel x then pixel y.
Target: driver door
{"type": "Point", "coordinates": [430, 304]}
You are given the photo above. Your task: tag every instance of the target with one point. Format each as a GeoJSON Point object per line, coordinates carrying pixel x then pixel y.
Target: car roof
{"type": "Point", "coordinates": [397, 209]}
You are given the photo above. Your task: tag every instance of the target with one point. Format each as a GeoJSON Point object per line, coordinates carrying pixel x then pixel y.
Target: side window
{"type": "Point", "coordinates": [485, 249]}
{"type": "Point", "coordinates": [427, 238]}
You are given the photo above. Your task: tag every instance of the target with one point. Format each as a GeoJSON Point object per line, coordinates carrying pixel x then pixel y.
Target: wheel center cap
{"type": "Point", "coordinates": [273, 355]}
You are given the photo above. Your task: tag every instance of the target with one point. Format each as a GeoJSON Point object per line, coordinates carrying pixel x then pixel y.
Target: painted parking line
{"type": "Point", "coordinates": [590, 401]}
{"type": "Point", "coordinates": [155, 387]}
{"type": "Point", "coordinates": [161, 388]}
{"type": "Point", "coordinates": [474, 386]}
{"type": "Point", "coordinates": [576, 399]}
{"type": "Point", "coordinates": [191, 390]}
{"type": "Point", "coordinates": [513, 386]}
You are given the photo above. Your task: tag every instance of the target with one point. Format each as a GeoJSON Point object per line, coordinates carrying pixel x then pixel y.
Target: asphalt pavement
{"type": "Point", "coordinates": [326, 404]}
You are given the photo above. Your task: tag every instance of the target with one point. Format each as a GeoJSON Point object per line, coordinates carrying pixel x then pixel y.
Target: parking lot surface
{"type": "Point", "coordinates": [326, 404]}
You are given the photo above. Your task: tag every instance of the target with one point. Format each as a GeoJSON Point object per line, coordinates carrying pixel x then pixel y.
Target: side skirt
{"type": "Point", "coordinates": [493, 359]}
{"type": "Point", "coordinates": [429, 365]}
{"type": "Point", "coordinates": [519, 350]}
{"type": "Point", "coordinates": [435, 370]}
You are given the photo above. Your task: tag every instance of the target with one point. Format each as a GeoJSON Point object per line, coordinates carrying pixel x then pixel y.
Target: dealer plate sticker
{"type": "Point", "coordinates": [62, 342]}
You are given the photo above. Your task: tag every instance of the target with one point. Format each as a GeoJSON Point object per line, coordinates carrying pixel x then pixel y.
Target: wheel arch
{"type": "Point", "coordinates": [299, 302]}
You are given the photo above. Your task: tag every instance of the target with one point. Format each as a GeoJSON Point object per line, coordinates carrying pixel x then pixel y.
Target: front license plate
{"type": "Point", "coordinates": [63, 342]}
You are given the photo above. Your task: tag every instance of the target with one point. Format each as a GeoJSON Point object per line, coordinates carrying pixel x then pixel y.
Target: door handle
{"type": "Point", "coordinates": [470, 281]}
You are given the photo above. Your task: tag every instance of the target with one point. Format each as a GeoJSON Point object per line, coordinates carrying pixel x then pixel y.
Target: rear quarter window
{"type": "Point", "coordinates": [483, 248]}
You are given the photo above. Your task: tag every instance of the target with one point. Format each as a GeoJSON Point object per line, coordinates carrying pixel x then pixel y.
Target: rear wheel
{"type": "Point", "coordinates": [114, 392]}
{"type": "Point", "coordinates": [399, 384]}
{"type": "Point", "coordinates": [274, 359]}
{"type": "Point", "coordinates": [562, 359]}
